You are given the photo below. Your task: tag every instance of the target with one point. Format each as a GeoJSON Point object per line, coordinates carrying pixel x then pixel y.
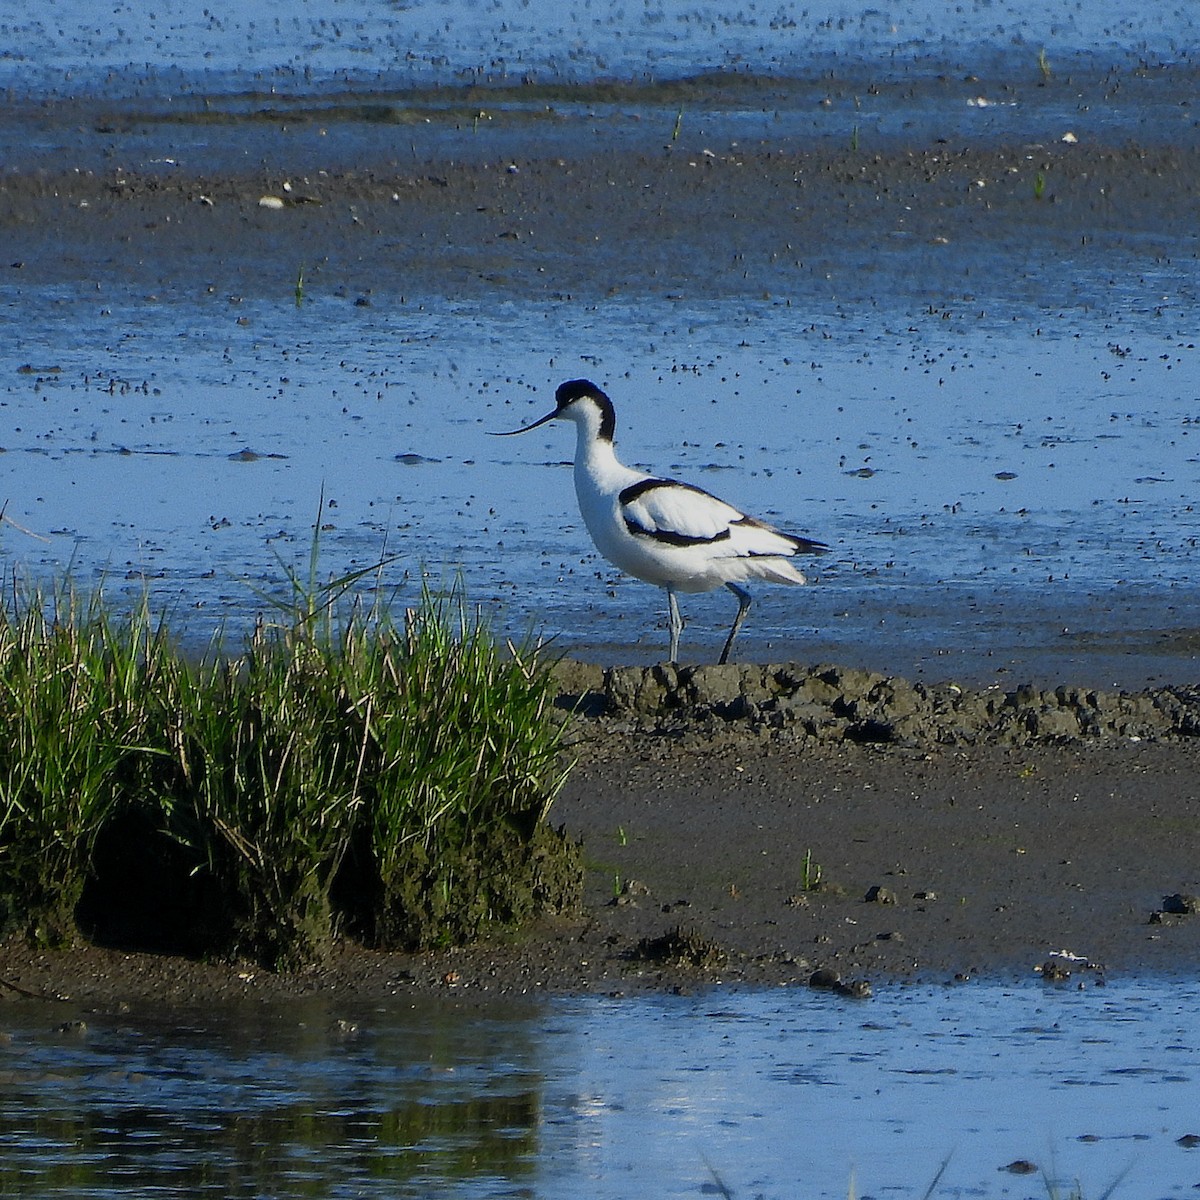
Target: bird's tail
{"type": "Point", "coordinates": [806, 545]}
{"type": "Point", "coordinates": [776, 569]}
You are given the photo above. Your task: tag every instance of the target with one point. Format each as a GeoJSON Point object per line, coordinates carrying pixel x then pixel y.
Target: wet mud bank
{"type": "Point", "coordinates": [883, 831]}
{"type": "Point", "coordinates": [832, 704]}
{"type": "Point", "coordinates": [826, 826]}
{"type": "Point", "coordinates": [592, 217]}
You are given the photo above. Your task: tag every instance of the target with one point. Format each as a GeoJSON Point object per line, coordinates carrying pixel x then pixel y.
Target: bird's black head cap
{"type": "Point", "coordinates": [584, 389]}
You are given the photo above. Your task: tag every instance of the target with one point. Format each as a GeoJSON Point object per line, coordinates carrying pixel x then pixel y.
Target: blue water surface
{"type": "Point", "coordinates": [1006, 1091]}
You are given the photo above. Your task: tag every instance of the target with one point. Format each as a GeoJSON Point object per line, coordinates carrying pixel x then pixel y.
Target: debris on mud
{"type": "Point", "coordinates": [682, 947]}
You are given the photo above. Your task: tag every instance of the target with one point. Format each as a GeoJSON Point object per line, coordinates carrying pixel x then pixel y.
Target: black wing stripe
{"type": "Point", "coordinates": [668, 537]}
{"type": "Point", "coordinates": [634, 490]}
{"type": "Point", "coordinates": [671, 537]}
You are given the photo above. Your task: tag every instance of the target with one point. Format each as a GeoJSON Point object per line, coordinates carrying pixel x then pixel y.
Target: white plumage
{"type": "Point", "coordinates": [671, 534]}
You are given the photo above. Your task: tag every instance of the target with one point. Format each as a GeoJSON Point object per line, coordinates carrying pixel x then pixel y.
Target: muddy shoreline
{"type": "Point", "coordinates": [841, 186]}
{"type": "Point", "coordinates": [838, 224]}
{"type": "Point", "coordinates": [728, 849]}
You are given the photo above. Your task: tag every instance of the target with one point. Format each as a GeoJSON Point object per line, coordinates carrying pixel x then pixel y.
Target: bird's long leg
{"type": "Point", "coordinates": [743, 608]}
{"type": "Point", "coordinates": [675, 624]}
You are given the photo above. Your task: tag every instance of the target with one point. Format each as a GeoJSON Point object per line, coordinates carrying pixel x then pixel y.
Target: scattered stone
{"type": "Point", "coordinates": [1189, 1141]}
{"type": "Point", "coordinates": [631, 891]}
{"type": "Point", "coordinates": [879, 895]}
{"type": "Point", "coordinates": [925, 897]}
{"type": "Point", "coordinates": [827, 887]}
{"type": "Point", "coordinates": [1181, 904]}
{"type": "Point", "coordinates": [856, 989]}
{"type": "Point", "coordinates": [825, 977]}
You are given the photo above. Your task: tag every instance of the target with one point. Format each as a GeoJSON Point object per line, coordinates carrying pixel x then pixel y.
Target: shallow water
{"type": "Point", "coordinates": [1003, 461]}
{"type": "Point", "coordinates": [779, 1094]}
{"type": "Point", "coordinates": [995, 472]}
{"type": "Point", "coordinates": [80, 42]}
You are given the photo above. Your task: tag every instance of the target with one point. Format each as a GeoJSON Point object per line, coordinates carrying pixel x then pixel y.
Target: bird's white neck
{"type": "Point", "coordinates": [595, 456]}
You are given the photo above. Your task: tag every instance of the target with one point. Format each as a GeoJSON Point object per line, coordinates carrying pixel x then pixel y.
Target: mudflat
{"type": "Point", "coordinates": [743, 858]}
{"type": "Point", "coordinates": [728, 854]}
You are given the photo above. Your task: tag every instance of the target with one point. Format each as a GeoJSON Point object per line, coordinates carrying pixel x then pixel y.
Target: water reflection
{"type": "Point", "coordinates": [782, 1093]}
{"type": "Point", "coordinates": [288, 1102]}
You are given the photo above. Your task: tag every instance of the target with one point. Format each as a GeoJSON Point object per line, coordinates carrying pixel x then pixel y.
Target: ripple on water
{"type": "Point", "coordinates": [778, 1093]}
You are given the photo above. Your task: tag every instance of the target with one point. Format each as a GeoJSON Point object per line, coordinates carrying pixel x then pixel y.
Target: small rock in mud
{"type": "Point", "coordinates": [825, 977]}
{"type": "Point", "coordinates": [1181, 904]}
{"type": "Point", "coordinates": [879, 895]}
{"type": "Point", "coordinates": [1054, 972]}
{"type": "Point", "coordinates": [856, 989]}
{"type": "Point", "coordinates": [631, 891]}
{"type": "Point", "coordinates": [826, 887]}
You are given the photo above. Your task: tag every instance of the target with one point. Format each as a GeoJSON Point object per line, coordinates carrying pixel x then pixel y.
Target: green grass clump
{"type": "Point", "coordinates": [341, 775]}
{"type": "Point", "coordinates": [446, 758]}
{"type": "Point", "coordinates": [73, 686]}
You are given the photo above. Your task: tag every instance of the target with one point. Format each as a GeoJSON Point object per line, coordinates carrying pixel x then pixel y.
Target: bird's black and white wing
{"type": "Point", "coordinates": [676, 514]}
